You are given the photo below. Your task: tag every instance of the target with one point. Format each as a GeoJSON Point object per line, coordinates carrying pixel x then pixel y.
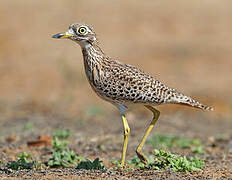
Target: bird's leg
{"type": "Point", "coordinates": [156, 114]}
{"type": "Point", "coordinates": [126, 134]}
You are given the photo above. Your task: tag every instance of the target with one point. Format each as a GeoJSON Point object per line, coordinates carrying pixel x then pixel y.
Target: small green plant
{"type": "Point", "coordinates": [21, 163]}
{"type": "Point", "coordinates": [166, 160]}
{"type": "Point", "coordinates": [116, 162]}
{"type": "Point", "coordinates": [88, 164]}
{"type": "Point", "coordinates": [62, 155]}
{"type": "Point", "coordinates": [61, 133]}
{"type": "Point", "coordinates": [165, 141]}
{"type": "Point", "coordinates": [135, 162]}
{"type": "Point", "coordinates": [38, 165]}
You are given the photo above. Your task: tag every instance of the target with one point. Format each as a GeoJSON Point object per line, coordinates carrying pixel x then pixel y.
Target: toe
{"type": "Point", "coordinates": [142, 158]}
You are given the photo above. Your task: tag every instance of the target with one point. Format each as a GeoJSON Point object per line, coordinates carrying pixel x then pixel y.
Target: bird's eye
{"type": "Point", "coordinates": [82, 30]}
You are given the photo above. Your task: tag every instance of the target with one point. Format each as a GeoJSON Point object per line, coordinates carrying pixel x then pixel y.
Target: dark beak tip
{"type": "Point", "coordinates": [57, 36]}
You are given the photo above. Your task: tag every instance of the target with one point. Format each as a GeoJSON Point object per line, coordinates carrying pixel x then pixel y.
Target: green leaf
{"type": "Point", "coordinates": [62, 155]}
{"type": "Point", "coordinates": [166, 160]}
{"type": "Point", "coordinates": [88, 164]}
{"type": "Point", "coordinates": [21, 163]}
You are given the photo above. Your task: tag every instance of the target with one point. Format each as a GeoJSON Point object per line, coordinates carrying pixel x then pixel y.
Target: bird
{"type": "Point", "coordinates": [122, 84]}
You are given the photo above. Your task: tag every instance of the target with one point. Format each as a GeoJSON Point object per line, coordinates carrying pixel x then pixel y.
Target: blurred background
{"type": "Point", "coordinates": [187, 45]}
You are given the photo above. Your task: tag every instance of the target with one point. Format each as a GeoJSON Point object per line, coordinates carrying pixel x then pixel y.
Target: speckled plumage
{"type": "Point", "coordinates": [123, 84]}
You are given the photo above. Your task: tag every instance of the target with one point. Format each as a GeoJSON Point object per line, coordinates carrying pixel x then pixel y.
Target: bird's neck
{"type": "Point", "coordinates": [93, 57]}
{"type": "Point", "coordinates": [92, 53]}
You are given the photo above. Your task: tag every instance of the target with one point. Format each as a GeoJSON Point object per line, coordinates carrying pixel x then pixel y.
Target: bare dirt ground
{"type": "Point", "coordinates": [186, 44]}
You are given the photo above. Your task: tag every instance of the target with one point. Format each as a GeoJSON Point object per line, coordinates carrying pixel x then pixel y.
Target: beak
{"type": "Point", "coordinates": [62, 35]}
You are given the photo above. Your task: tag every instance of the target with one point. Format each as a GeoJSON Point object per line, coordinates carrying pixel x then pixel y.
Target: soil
{"type": "Point", "coordinates": [43, 87]}
{"type": "Point", "coordinates": [104, 141]}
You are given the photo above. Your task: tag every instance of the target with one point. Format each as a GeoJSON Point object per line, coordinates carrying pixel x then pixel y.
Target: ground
{"type": "Point", "coordinates": [101, 136]}
{"type": "Point", "coordinates": [186, 45]}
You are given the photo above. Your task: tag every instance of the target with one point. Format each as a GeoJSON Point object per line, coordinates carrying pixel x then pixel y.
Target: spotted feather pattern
{"type": "Point", "coordinates": [122, 83]}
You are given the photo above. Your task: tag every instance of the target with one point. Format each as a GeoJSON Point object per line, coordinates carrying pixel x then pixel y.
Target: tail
{"type": "Point", "coordinates": [179, 98]}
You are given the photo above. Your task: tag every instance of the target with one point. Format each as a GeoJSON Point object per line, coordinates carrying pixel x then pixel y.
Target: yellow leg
{"type": "Point", "coordinates": [126, 134]}
{"type": "Point", "coordinates": [140, 147]}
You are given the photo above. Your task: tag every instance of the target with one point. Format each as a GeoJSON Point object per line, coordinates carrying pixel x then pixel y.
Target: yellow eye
{"type": "Point", "coordinates": [82, 30]}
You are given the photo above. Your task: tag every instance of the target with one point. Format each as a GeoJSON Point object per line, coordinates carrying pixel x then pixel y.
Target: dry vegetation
{"type": "Point", "coordinates": [186, 44]}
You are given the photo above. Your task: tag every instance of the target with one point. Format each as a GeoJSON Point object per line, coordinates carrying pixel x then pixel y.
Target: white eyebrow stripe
{"type": "Point", "coordinates": [89, 30]}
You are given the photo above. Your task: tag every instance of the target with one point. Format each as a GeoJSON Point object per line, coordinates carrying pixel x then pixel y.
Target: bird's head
{"type": "Point", "coordinates": [80, 33]}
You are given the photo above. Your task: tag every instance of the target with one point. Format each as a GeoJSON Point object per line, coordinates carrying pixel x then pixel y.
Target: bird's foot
{"type": "Point", "coordinates": [142, 157]}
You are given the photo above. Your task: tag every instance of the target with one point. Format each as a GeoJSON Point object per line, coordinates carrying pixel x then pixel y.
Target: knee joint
{"type": "Point", "coordinates": [127, 131]}
{"type": "Point", "coordinates": [138, 149]}
{"type": "Point", "coordinates": [156, 114]}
